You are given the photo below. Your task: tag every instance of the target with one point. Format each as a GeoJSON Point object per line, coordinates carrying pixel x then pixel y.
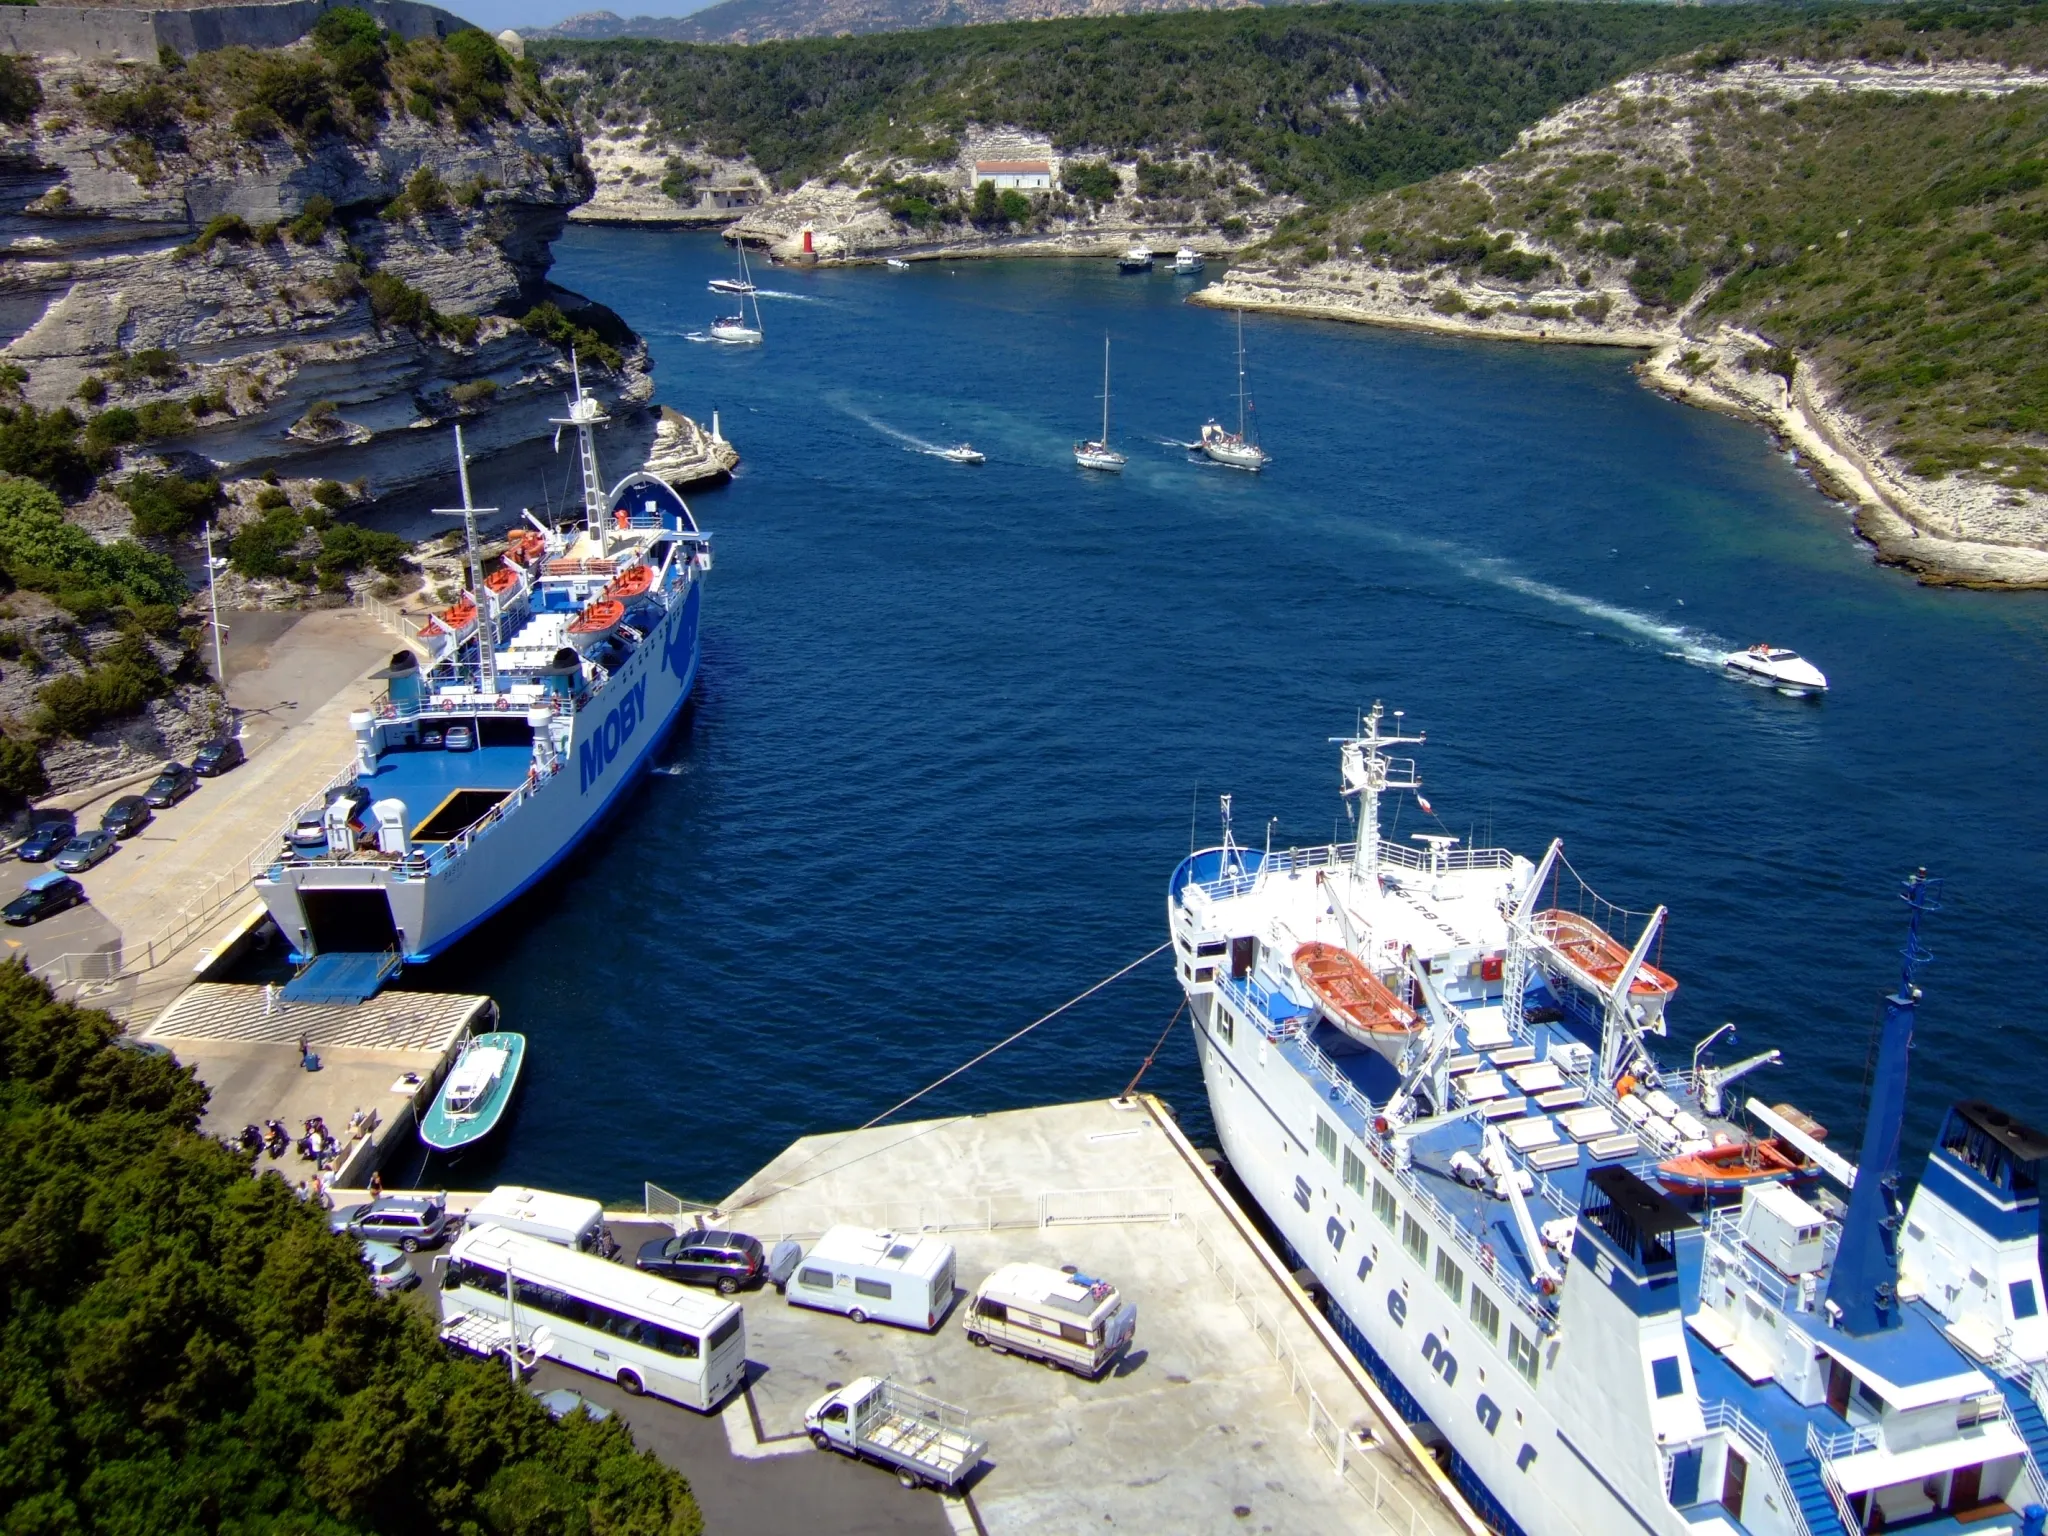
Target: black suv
{"type": "Point", "coordinates": [728, 1260]}
{"type": "Point", "coordinates": [126, 816]}
{"type": "Point", "coordinates": [217, 757]}
{"type": "Point", "coordinates": [171, 786]}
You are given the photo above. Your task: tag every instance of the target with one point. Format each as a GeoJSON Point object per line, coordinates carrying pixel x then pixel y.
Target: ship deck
{"type": "Point", "coordinates": [425, 777]}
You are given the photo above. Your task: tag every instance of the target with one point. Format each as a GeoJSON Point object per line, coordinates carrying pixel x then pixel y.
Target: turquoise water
{"type": "Point", "coordinates": [954, 723]}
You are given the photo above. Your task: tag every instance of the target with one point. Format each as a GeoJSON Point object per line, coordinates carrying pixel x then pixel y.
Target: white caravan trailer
{"type": "Point", "coordinates": [567, 1220]}
{"type": "Point", "coordinates": [1064, 1319]}
{"type": "Point", "coordinates": [645, 1333]}
{"type": "Point", "coordinates": [906, 1279]}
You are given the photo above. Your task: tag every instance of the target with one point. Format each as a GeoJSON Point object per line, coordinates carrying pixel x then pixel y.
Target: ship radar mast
{"type": "Point", "coordinates": [586, 416]}
{"type": "Point", "coordinates": [486, 600]}
{"type": "Point", "coordinates": [1369, 773]}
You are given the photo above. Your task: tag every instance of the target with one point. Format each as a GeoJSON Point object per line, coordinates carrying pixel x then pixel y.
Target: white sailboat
{"type": "Point", "coordinates": [733, 329]}
{"type": "Point", "coordinates": [1239, 449]}
{"type": "Point", "coordinates": [1098, 454]}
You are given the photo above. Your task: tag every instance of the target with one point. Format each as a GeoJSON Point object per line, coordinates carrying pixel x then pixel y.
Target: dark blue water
{"type": "Point", "coordinates": [953, 723]}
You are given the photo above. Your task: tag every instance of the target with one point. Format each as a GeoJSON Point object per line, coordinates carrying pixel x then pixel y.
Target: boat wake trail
{"type": "Point", "coordinates": [779, 293]}
{"type": "Point", "coordinates": [1696, 646]}
{"type": "Point", "coordinates": [914, 444]}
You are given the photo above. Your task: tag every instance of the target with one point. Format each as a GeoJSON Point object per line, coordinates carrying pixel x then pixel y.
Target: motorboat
{"type": "Point", "coordinates": [1137, 259]}
{"type": "Point", "coordinates": [742, 284]}
{"type": "Point", "coordinates": [734, 330]}
{"type": "Point", "coordinates": [963, 453]}
{"type": "Point", "coordinates": [476, 1092]}
{"type": "Point", "coordinates": [1239, 449]}
{"type": "Point", "coordinates": [1187, 261]}
{"type": "Point", "coordinates": [1787, 671]}
{"type": "Point", "coordinates": [1098, 454]}
{"type": "Point", "coordinates": [896, 266]}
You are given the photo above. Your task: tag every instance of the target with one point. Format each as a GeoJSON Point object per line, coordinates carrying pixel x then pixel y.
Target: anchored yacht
{"type": "Point", "coordinates": [1619, 1299]}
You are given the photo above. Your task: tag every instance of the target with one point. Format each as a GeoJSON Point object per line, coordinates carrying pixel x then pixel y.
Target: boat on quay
{"type": "Point", "coordinates": [1518, 1224]}
{"type": "Point", "coordinates": [476, 1092]}
{"type": "Point", "coordinates": [539, 700]}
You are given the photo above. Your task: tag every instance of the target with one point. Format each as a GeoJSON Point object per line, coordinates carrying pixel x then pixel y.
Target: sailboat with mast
{"type": "Point", "coordinates": [1239, 449]}
{"type": "Point", "coordinates": [734, 330]}
{"type": "Point", "coordinates": [1098, 454]}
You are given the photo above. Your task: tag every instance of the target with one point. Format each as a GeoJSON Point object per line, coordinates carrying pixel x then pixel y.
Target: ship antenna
{"type": "Point", "coordinates": [486, 601]}
{"type": "Point", "coordinates": [1863, 1291]}
{"type": "Point", "coordinates": [586, 416]}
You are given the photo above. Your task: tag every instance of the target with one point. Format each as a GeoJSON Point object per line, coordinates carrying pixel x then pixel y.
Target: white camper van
{"type": "Point", "coordinates": [566, 1220]}
{"type": "Point", "coordinates": [1065, 1319]}
{"type": "Point", "coordinates": [905, 1279]}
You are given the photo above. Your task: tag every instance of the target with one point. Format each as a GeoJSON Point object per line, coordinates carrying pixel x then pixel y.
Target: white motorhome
{"type": "Point", "coordinates": [892, 1278]}
{"type": "Point", "coordinates": [566, 1220]}
{"type": "Point", "coordinates": [645, 1333]}
{"type": "Point", "coordinates": [1063, 1318]}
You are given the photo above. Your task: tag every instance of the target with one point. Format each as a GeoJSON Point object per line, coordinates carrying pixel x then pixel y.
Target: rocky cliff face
{"type": "Point", "coordinates": [166, 249]}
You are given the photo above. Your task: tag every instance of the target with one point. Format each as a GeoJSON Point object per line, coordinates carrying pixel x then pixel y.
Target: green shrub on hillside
{"type": "Point", "coordinates": [1094, 180]}
{"type": "Point", "coordinates": [187, 1336]}
{"type": "Point", "coordinates": [118, 684]}
{"type": "Point", "coordinates": [21, 94]}
{"type": "Point", "coordinates": [547, 322]}
{"type": "Point", "coordinates": [42, 552]}
{"type": "Point", "coordinates": [169, 506]}
{"type": "Point", "coordinates": [44, 445]}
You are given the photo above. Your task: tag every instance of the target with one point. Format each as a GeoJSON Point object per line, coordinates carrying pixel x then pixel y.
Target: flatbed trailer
{"type": "Point", "coordinates": [926, 1442]}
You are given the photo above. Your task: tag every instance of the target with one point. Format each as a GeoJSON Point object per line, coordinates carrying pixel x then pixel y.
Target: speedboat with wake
{"type": "Point", "coordinates": [543, 694]}
{"type": "Point", "coordinates": [962, 453]}
{"type": "Point", "coordinates": [1615, 1296]}
{"type": "Point", "coordinates": [1787, 671]}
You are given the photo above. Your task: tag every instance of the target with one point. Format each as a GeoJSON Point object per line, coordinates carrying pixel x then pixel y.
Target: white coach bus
{"type": "Point", "coordinates": [645, 1333]}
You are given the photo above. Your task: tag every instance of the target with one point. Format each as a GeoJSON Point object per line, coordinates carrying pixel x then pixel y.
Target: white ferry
{"type": "Point", "coordinates": [1615, 1300]}
{"type": "Point", "coordinates": [543, 694]}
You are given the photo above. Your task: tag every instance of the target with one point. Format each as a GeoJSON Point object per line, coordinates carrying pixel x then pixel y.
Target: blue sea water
{"type": "Point", "coordinates": [956, 725]}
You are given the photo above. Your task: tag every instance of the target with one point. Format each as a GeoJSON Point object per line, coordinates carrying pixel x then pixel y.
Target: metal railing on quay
{"type": "Point", "coordinates": [968, 1213]}
{"type": "Point", "coordinates": [1357, 1467]}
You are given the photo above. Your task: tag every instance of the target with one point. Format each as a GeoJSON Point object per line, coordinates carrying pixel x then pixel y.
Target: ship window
{"type": "Point", "coordinates": [1301, 1193]}
{"type": "Point", "coordinates": [2023, 1303]}
{"type": "Point", "coordinates": [1226, 1026]}
{"type": "Point", "coordinates": [1449, 1276]}
{"type": "Point", "coordinates": [1485, 1314]}
{"type": "Point", "coordinates": [1415, 1238]}
{"type": "Point", "coordinates": [1213, 947]}
{"type": "Point", "coordinates": [1665, 1375]}
{"type": "Point", "coordinates": [1354, 1172]}
{"type": "Point", "coordinates": [1383, 1203]}
{"type": "Point", "coordinates": [1326, 1139]}
{"type": "Point", "coordinates": [1522, 1353]}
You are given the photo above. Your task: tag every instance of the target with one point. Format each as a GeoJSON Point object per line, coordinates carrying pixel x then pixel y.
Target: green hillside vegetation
{"type": "Point", "coordinates": [1899, 243]}
{"type": "Point", "coordinates": [1321, 102]}
{"type": "Point", "coordinates": [188, 1349]}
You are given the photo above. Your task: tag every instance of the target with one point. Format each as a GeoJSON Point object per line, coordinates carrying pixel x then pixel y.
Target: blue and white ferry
{"type": "Point", "coordinates": [1613, 1298]}
{"type": "Point", "coordinates": [542, 694]}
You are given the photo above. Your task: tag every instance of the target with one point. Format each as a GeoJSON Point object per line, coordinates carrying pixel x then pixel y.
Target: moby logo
{"type": "Point", "coordinates": [597, 751]}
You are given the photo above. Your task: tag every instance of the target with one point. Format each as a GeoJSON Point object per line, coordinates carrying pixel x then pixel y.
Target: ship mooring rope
{"type": "Point", "coordinates": [1146, 1065]}
{"type": "Point", "coordinates": [1020, 1034]}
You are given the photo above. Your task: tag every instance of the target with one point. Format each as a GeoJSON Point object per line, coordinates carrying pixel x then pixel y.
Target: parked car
{"type": "Point", "coordinates": [44, 896]}
{"type": "Point", "coordinates": [460, 738]}
{"type": "Point", "coordinates": [562, 1402]}
{"type": "Point", "coordinates": [172, 785]}
{"type": "Point", "coordinates": [728, 1260]}
{"type": "Point", "coordinates": [86, 850]}
{"type": "Point", "coordinates": [431, 737]}
{"type": "Point", "coordinates": [47, 837]}
{"type": "Point", "coordinates": [410, 1221]}
{"type": "Point", "coordinates": [390, 1270]}
{"type": "Point", "coordinates": [217, 757]}
{"type": "Point", "coordinates": [127, 816]}
{"type": "Point", "coordinates": [309, 832]}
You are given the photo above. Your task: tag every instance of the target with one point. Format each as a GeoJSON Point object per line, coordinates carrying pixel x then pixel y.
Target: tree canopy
{"type": "Point", "coordinates": [184, 1347]}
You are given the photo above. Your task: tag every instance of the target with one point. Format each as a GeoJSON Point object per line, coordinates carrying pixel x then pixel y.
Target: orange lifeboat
{"type": "Point", "coordinates": [1352, 998]}
{"type": "Point", "coordinates": [1599, 955]}
{"type": "Point", "coordinates": [1733, 1167]}
{"type": "Point", "coordinates": [431, 628]}
{"type": "Point", "coordinates": [502, 580]}
{"type": "Point", "coordinates": [632, 582]}
{"type": "Point", "coordinates": [460, 616]}
{"type": "Point", "coordinates": [600, 618]}
{"type": "Point", "coordinates": [525, 547]}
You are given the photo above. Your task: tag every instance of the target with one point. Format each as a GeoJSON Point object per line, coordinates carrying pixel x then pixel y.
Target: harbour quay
{"type": "Point", "coordinates": [1235, 1409]}
{"type": "Point", "coordinates": [384, 1056]}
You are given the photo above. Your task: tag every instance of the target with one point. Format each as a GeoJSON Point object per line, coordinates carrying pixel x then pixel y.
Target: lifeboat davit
{"type": "Point", "coordinates": [1354, 999]}
{"type": "Point", "coordinates": [525, 547]}
{"type": "Point", "coordinates": [1599, 956]}
{"type": "Point", "coordinates": [460, 616]}
{"type": "Point", "coordinates": [632, 582]}
{"type": "Point", "coordinates": [600, 618]}
{"type": "Point", "coordinates": [1734, 1167]}
{"type": "Point", "coordinates": [502, 580]}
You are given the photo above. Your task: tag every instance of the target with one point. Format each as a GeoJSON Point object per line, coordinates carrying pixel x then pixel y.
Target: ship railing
{"type": "Point", "coordinates": [1847, 1442]}
{"type": "Point", "coordinates": [1724, 1242]}
{"type": "Point", "coordinates": [1356, 1465]}
{"type": "Point", "coordinates": [424, 861]}
{"type": "Point", "coordinates": [1722, 1415]}
{"type": "Point", "coordinates": [1331, 855]}
{"type": "Point", "coordinates": [1815, 1443]}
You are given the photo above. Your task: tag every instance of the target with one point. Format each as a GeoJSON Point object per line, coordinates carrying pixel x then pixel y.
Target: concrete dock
{"type": "Point", "coordinates": [244, 1043]}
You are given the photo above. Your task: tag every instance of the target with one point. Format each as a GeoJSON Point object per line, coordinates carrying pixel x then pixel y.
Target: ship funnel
{"type": "Point", "coordinates": [1863, 1291]}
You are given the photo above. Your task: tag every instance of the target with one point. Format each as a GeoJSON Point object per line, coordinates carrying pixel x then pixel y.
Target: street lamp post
{"type": "Point", "coordinates": [220, 667]}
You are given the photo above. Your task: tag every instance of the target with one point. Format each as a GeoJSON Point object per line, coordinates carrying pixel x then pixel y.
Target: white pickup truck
{"type": "Point", "coordinates": [872, 1419]}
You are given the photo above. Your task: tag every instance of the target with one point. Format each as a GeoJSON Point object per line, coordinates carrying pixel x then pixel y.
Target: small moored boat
{"type": "Point", "coordinates": [1354, 999]}
{"type": "Point", "coordinates": [1137, 259]}
{"type": "Point", "coordinates": [1187, 261]}
{"type": "Point", "coordinates": [478, 1088]}
{"type": "Point", "coordinates": [1787, 671]}
{"type": "Point", "coordinates": [895, 265]}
